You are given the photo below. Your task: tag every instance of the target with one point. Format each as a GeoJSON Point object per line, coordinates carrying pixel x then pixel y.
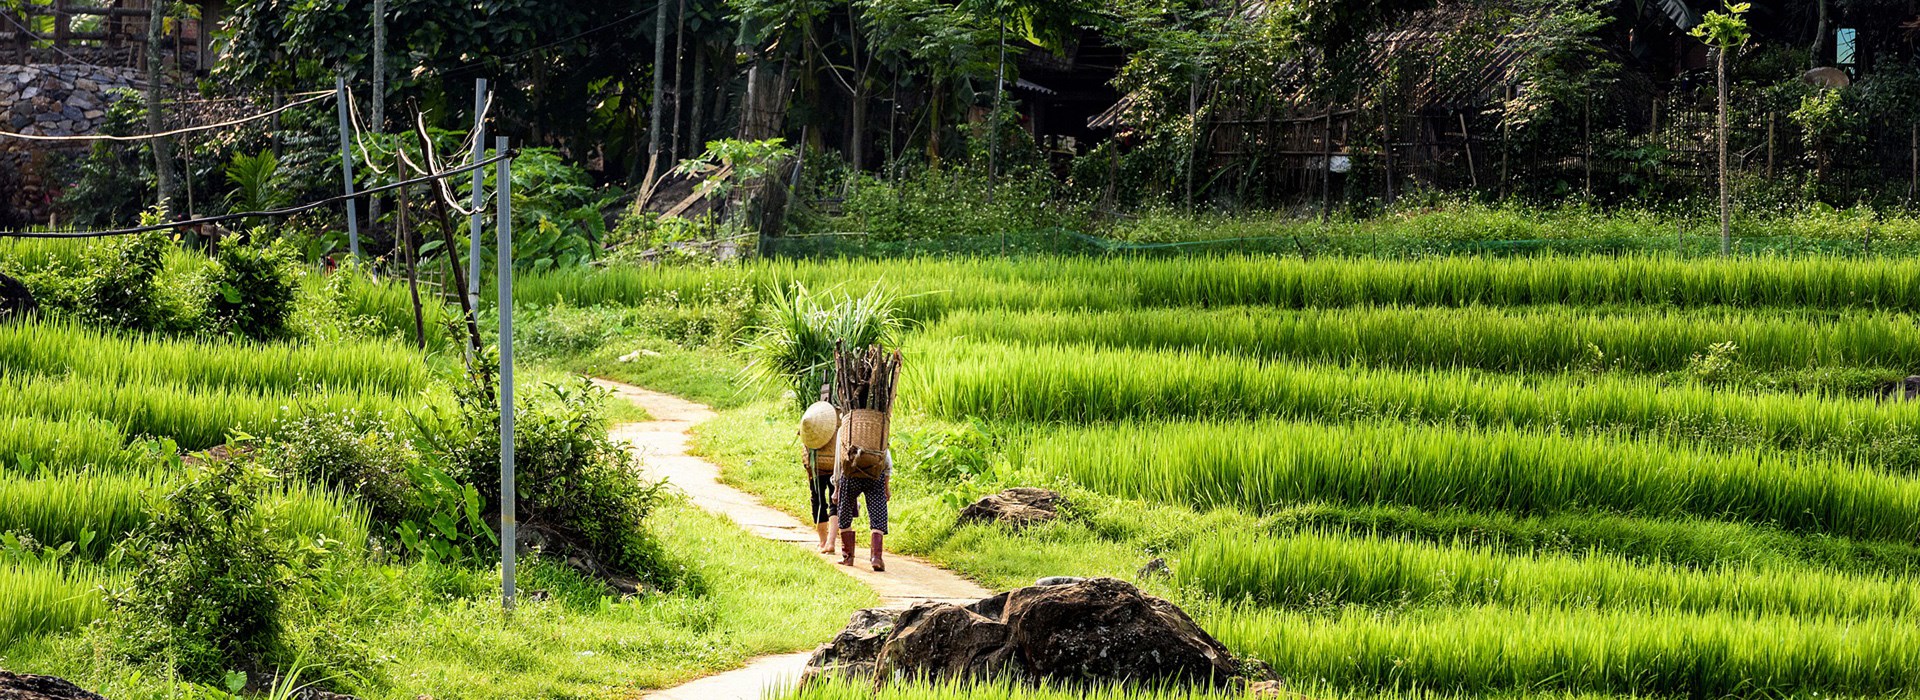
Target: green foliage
{"type": "Point", "coordinates": [453, 532]}
{"type": "Point", "coordinates": [1704, 343]}
{"type": "Point", "coordinates": [1724, 30]}
{"type": "Point", "coordinates": [121, 290]}
{"type": "Point", "coordinates": [253, 288]}
{"type": "Point", "coordinates": [257, 184]}
{"type": "Point", "coordinates": [556, 213]}
{"type": "Point", "coordinates": [729, 163]}
{"type": "Point", "coordinates": [353, 452]}
{"type": "Point", "coordinates": [954, 203]}
{"type": "Point", "coordinates": [573, 480]}
{"type": "Point", "coordinates": [577, 482]}
{"type": "Point", "coordinates": [1486, 650]}
{"type": "Point", "coordinates": [795, 347]}
{"type": "Point", "coordinates": [1264, 465]}
{"type": "Point", "coordinates": [207, 592]}
{"type": "Point", "coordinates": [114, 183]}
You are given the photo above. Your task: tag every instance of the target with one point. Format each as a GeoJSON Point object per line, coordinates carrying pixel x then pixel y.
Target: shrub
{"type": "Point", "coordinates": [352, 451]}
{"type": "Point", "coordinates": [573, 480]}
{"type": "Point", "coordinates": [577, 482]}
{"type": "Point", "coordinates": [253, 289]}
{"type": "Point", "coordinates": [206, 594]}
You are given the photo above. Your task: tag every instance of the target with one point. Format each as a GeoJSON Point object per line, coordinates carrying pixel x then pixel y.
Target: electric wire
{"type": "Point", "coordinates": [274, 213]}
{"type": "Point", "coordinates": [164, 134]}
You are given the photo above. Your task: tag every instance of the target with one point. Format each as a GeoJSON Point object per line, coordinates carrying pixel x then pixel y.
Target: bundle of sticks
{"type": "Point", "coordinates": [865, 378]}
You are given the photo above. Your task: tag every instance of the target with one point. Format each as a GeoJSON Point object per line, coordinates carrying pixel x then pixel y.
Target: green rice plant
{"type": "Point", "coordinates": [309, 515]}
{"type": "Point", "coordinates": [66, 349]}
{"type": "Point", "coordinates": [41, 598]}
{"type": "Point", "coordinates": [1690, 542]}
{"type": "Point", "coordinates": [1050, 383]}
{"type": "Point", "coordinates": [1544, 338]}
{"type": "Point", "coordinates": [1639, 652]}
{"type": "Point", "coordinates": [1283, 281]}
{"type": "Point", "coordinates": [1311, 569]}
{"type": "Point", "coordinates": [1267, 465]}
{"type": "Point", "coordinates": [60, 509]}
{"type": "Point", "coordinates": [796, 345]}
{"type": "Point", "coordinates": [195, 417]}
{"type": "Point", "coordinates": [387, 306]}
{"type": "Point", "coordinates": [29, 443]}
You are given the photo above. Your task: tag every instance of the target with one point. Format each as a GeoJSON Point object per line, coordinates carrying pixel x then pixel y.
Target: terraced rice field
{"type": "Point", "coordinates": [1460, 476]}
{"type": "Point", "coordinates": [93, 426]}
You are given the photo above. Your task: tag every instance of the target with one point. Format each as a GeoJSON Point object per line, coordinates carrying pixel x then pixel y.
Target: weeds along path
{"type": "Point", "coordinates": [661, 446]}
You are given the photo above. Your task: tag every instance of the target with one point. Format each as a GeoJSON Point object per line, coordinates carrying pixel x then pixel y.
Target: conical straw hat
{"type": "Point", "coordinates": [818, 425]}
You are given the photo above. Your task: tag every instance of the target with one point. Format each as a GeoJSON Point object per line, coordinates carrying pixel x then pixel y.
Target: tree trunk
{"type": "Point", "coordinates": [156, 87]}
{"type": "Point", "coordinates": [857, 140]}
{"type": "Point", "coordinates": [1726, 199]}
{"type": "Point", "coordinates": [1817, 57]}
{"type": "Point", "coordinates": [696, 125]}
{"type": "Point", "coordinates": [659, 93]}
{"type": "Point", "coordinates": [679, 78]}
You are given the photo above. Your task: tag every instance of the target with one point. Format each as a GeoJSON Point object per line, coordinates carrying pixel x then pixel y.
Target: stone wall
{"type": "Point", "coordinates": [49, 100]}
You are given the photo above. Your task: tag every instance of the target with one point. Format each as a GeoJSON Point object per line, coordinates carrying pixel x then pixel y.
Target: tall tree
{"type": "Point", "coordinates": [156, 88]}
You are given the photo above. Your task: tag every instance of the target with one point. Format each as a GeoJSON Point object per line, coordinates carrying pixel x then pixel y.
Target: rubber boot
{"type": "Point", "coordinates": [825, 531]}
{"type": "Point", "coordinates": [879, 546]}
{"type": "Point", "coordinates": [846, 548]}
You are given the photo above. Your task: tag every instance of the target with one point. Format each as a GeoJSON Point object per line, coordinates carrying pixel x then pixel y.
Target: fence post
{"type": "Point", "coordinates": [346, 167]}
{"type": "Point", "coordinates": [480, 102]}
{"type": "Point", "coordinates": [503, 193]}
{"type": "Point", "coordinates": [1467, 139]}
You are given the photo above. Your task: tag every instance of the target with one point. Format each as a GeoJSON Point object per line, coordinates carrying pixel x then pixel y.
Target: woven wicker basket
{"type": "Point", "coordinates": [867, 429]}
{"type": "Point", "coordinates": [823, 457]}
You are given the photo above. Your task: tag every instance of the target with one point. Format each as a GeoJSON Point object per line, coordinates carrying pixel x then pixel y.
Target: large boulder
{"type": "Point", "coordinates": [855, 651]}
{"type": "Point", "coordinates": [15, 686]}
{"type": "Point", "coordinates": [943, 640]}
{"type": "Point", "coordinates": [1105, 628]}
{"type": "Point", "coordinates": [1016, 507]}
{"type": "Point", "coordinates": [16, 301]}
{"type": "Point", "coordinates": [1082, 630]}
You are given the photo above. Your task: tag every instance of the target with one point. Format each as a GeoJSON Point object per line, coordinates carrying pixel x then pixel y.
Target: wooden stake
{"type": "Point", "coordinates": [1467, 138]}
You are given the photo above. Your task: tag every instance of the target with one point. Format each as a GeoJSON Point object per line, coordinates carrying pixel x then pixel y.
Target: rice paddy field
{"type": "Point", "coordinates": [1460, 477]}
{"type": "Point", "coordinates": [1453, 477]}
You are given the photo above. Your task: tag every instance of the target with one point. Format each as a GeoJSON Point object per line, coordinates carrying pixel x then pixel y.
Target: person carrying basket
{"type": "Point", "coordinates": [819, 429]}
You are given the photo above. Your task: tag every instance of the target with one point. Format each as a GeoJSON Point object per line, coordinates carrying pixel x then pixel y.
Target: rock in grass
{"type": "Point", "coordinates": [1094, 630]}
{"type": "Point", "coordinates": [16, 301]}
{"type": "Point", "coordinates": [29, 687]}
{"type": "Point", "coordinates": [854, 652]}
{"type": "Point", "coordinates": [1016, 507]}
{"type": "Point", "coordinates": [1106, 629]}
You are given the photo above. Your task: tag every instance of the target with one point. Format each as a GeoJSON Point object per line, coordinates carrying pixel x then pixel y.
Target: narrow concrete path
{"type": "Point", "coordinates": [661, 448]}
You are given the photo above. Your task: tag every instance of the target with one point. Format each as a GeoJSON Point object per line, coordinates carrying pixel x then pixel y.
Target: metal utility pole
{"type": "Point", "coordinates": [480, 103]}
{"type": "Point", "coordinates": [377, 120]}
{"type": "Point", "coordinates": [346, 167]}
{"type": "Point", "coordinates": [503, 192]}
